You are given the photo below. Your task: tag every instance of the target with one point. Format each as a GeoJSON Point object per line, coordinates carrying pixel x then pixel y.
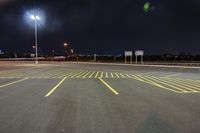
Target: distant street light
{"type": "Point", "coordinates": [35, 18]}
{"type": "Point", "coordinates": [65, 45]}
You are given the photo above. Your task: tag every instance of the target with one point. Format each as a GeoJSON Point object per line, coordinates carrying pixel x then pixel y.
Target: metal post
{"type": "Point", "coordinates": [131, 61]}
{"type": "Point", "coordinates": [136, 59]}
{"type": "Point", "coordinates": [142, 59]}
{"type": "Point", "coordinates": [36, 49]}
{"type": "Point", "coordinates": [125, 59]}
{"type": "Point", "coordinates": [95, 57]}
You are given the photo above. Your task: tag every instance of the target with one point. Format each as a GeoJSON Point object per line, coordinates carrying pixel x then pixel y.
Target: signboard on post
{"type": "Point", "coordinates": [128, 53]}
{"type": "Point", "coordinates": [139, 53]}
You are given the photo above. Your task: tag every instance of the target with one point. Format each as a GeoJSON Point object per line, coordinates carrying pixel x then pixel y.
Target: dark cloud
{"type": "Point", "coordinates": [108, 26]}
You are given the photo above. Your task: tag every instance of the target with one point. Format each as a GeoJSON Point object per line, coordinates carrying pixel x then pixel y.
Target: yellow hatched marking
{"type": "Point", "coordinates": [153, 83]}
{"type": "Point", "coordinates": [78, 76]}
{"type": "Point", "coordinates": [111, 89]}
{"type": "Point", "coordinates": [187, 84]}
{"type": "Point", "coordinates": [96, 74]}
{"type": "Point", "coordinates": [73, 74]}
{"type": "Point", "coordinates": [158, 81]}
{"type": "Point", "coordinates": [86, 74]}
{"type": "Point", "coordinates": [112, 75]}
{"type": "Point", "coordinates": [196, 82]}
{"type": "Point", "coordinates": [101, 75]}
{"type": "Point", "coordinates": [174, 84]}
{"type": "Point", "coordinates": [50, 92]}
{"type": "Point", "coordinates": [117, 75]}
{"type": "Point", "coordinates": [66, 74]}
{"type": "Point", "coordinates": [122, 75]}
{"type": "Point", "coordinates": [106, 75]}
{"type": "Point", "coordinates": [92, 74]}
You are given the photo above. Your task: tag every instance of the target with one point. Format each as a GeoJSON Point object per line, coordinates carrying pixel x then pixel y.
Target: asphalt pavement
{"type": "Point", "coordinates": [98, 98]}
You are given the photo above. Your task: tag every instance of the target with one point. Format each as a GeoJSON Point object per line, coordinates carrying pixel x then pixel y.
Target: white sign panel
{"type": "Point", "coordinates": [139, 52]}
{"type": "Point", "coordinates": [128, 53]}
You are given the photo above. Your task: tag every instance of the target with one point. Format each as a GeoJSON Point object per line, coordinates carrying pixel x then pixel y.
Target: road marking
{"type": "Point", "coordinates": [153, 83]}
{"type": "Point", "coordinates": [166, 83]}
{"type": "Point", "coordinates": [106, 75]}
{"type": "Point", "coordinates": [122, 75]}
{"type": "Point", "coordinates": [52, 90]}
{"type": "Point", "coordinates": [101, 75]}
{"type": "Point", "coordinates": [92, 74]}
{"type": "Point", "coordinates": [185, 83]}
{"type": "Point", "coordinates": [111, 89]}
{"type": "Point", "coordinates": [174, 75]}
{"type": "Point", "coordinates": [75, 74]}
{"type": "Point", "coordinates": [96, 74]}
{"type": "Point", "coordinates": [112, 75]}
{"type": "Point", "coordinates": [13, 82]}
{"type": "Point", "coordinates": [78, 76]}
{"type": "Point", "coordinates": [86, 74]}
{"type": "Point", "coordinates": [117, 75]}
{"type": "Point", "coordinates": [65, 74]}
{"type": "Point", "coordinates": [174, 84]}
{"type": "Point", "coordinates": [148, 73]}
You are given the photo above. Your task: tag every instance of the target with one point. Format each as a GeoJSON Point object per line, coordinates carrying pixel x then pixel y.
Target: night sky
{"type": "Point", "coordinates": [103, 26]}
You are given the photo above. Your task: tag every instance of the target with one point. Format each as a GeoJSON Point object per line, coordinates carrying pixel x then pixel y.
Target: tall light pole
{"type": "Point", "coordinates": [65, 45]}
{"type": "Point", "coordinates": [35, 18]}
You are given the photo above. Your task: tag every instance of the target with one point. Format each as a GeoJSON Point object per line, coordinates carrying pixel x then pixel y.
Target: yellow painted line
{"type": "Point", "coordinates": [96, 74]}
{"type": "Point", "coordinates": [154, 84]}
{"type": "Point", "coordinates": [167, 84]}
{"type": "Point", "coordinates": [65, 74]}
{"type": "Point", "coordinates": [74, 75]}
{"type": "Point", "coordinates": [71, 74]}
{"type": "Point", "coordinates": [106, 75]}
{"type": "Point", "coordinates": [86, 74]}
{"type": "Point", "coordinates": [80, 75]}
{"type": "Point", "coordinates": [174, 84]}
{"type": "Point", "coordinates": [92, 74]}
{"type": "Point", "coordinates": [112, 75]}
{"type": "Point", "coordinates": [174, 75]}
{"type": "Point", "coordinates": [189, 80]}
{"type": "Point", "coordinates": [101, 75]}
{"type": "Point", "coordinates": [11, 83]}
{"type": "Point", "coordinates": [130, 76]}
{"type": "Point", "coordinates": [185, 83]}
{"type": "Point", "coordinates": [122, 75]}
{"type": "Point", "coordinates": [111, 89]}
{"type": "Point", "coordinates": [117, 75]}
{"type": "Point", "coordinates": [52, 90]}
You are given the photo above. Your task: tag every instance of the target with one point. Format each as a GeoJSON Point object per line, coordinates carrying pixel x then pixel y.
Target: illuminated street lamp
{"type": "Point", "coordinates": [65, 45]}
{"type": "Point", "coordinates": [35, 18]}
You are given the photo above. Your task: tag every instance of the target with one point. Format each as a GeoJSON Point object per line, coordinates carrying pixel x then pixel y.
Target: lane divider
{"type": "Point", "coordinates": [13, 82]}
{"type": "Point", "coordinates": [52, 90]}
{"type": "Point", "coordinates": [111, 89]}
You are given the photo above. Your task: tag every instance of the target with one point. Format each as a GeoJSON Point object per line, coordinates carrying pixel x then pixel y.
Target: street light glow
{"type": "Point", "coordinates": [35, 17]}
{"type": "Point", "coordinates": [34, 14]}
